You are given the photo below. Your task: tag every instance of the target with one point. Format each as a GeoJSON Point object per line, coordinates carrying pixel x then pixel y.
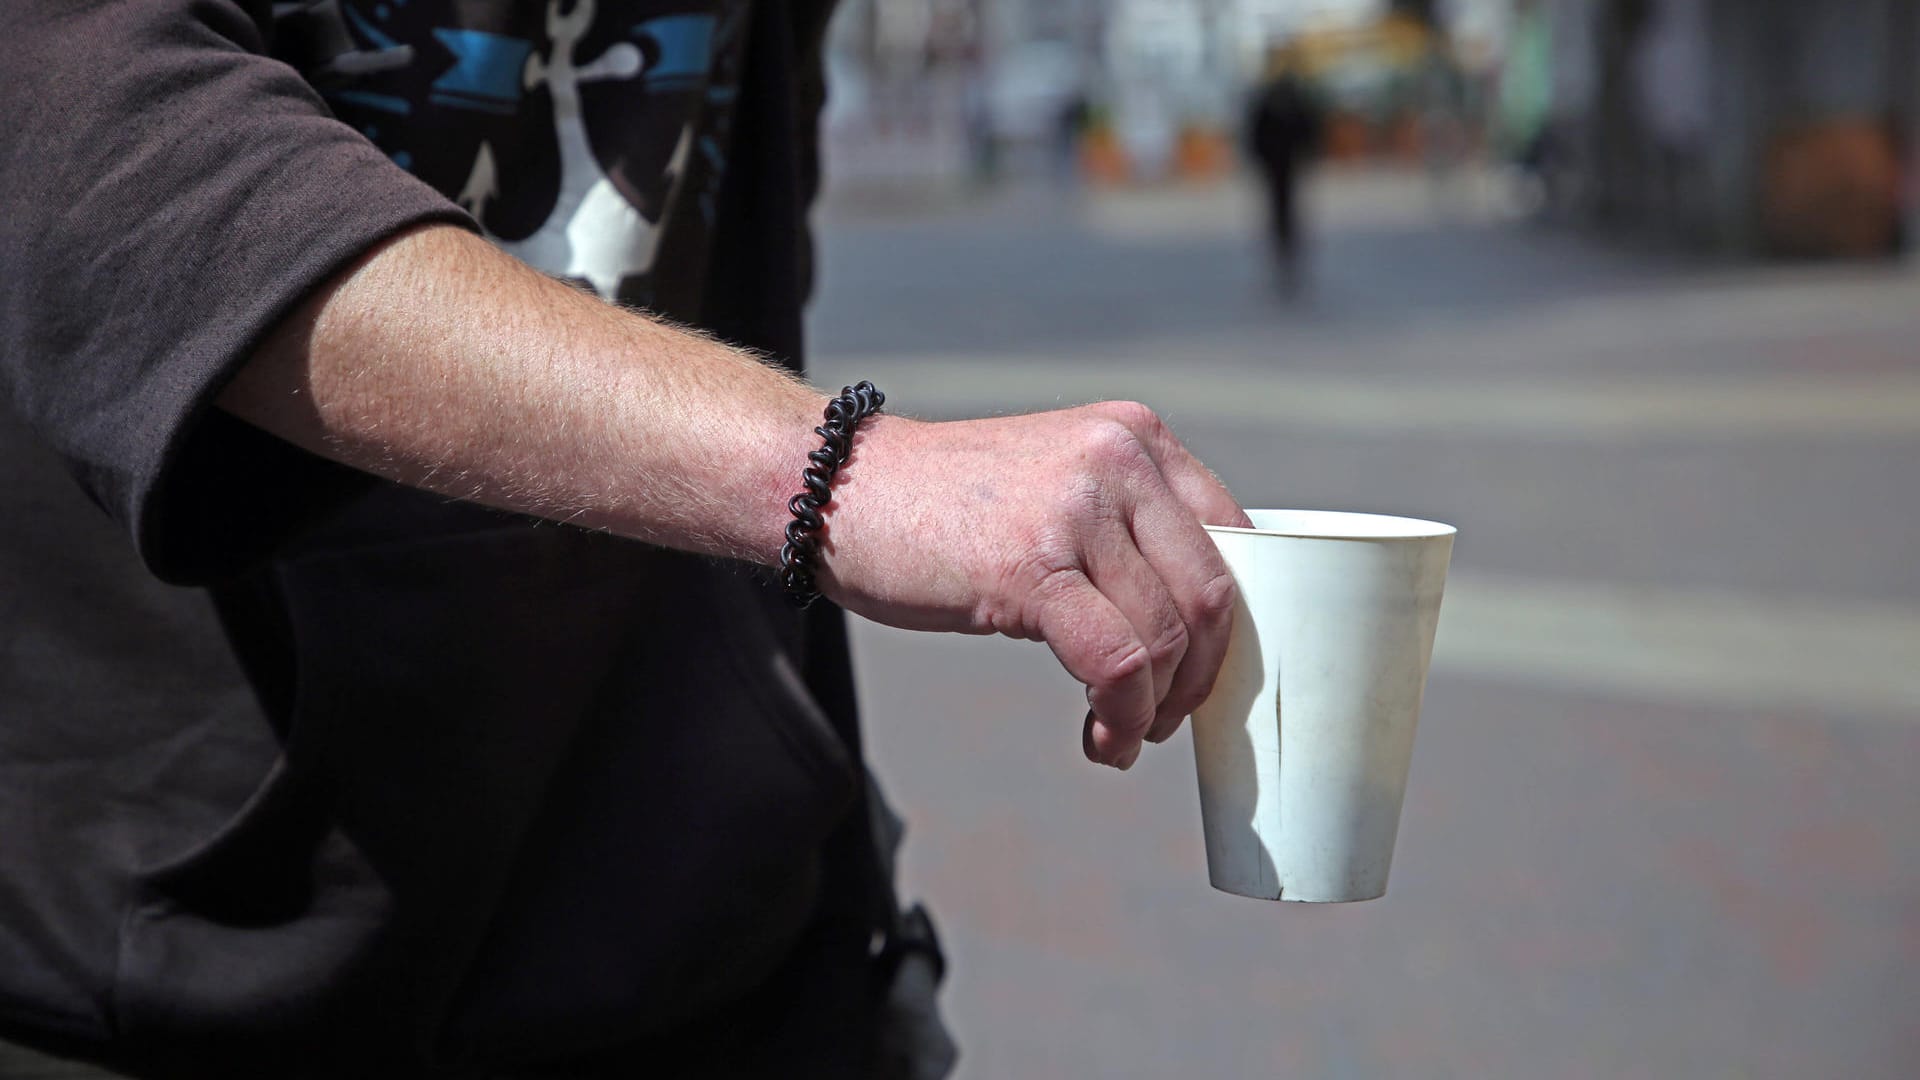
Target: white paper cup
{"type": "Point", "coordinates": [1303, 746]}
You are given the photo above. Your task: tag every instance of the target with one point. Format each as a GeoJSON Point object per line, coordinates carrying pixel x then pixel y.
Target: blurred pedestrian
{"type": "Point", "coordinates": [1071, 122]}
{"type": "Point", "coordinates": [1524, 130]}
{"type": "Point", "coordinates": [1441, 99]}
{"type": "Point", "coordinates": [981, 126]}
{"type": "Point", "coordinates": [1283, 133]}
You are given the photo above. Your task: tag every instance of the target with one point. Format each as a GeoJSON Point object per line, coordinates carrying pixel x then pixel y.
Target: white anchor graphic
{"type": "Point", "coordinates": [593, 233]}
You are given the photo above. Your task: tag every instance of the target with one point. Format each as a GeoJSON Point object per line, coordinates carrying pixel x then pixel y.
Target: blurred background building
{"type": "Point", "coordinates": [1760, 126]}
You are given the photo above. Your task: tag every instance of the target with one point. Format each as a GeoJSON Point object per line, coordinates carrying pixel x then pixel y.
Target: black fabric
{"type": "Point", "coordinates": [418, 788]}
{"type": "Point", "coordinates": [166, 192]}
{"type": "Point", "coordinates": [127, 735]}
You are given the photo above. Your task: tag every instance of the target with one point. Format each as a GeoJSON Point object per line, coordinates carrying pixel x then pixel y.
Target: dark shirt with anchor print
{"type": "Point", "coordinates": [306, 774]}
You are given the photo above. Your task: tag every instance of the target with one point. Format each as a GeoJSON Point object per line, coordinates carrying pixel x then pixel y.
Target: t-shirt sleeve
{"type": "Point", "coordinates": [167, 192]}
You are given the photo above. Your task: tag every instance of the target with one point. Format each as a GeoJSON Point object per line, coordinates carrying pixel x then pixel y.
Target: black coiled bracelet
{"type": "Point", "coordinates": [801, 552]}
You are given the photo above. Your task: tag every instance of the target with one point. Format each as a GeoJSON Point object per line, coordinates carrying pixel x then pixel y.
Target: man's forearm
{"type": "Point", "coordinates": [441, 362]}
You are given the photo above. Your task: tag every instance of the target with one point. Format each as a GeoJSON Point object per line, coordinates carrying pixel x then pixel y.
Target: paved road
{"type": "Point", "coordinates": [1663, 818]}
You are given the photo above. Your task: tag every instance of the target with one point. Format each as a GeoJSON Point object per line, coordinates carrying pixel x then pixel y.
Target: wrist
{"type": "Point", "coordinates": [802, 537]}
{"type": "Point", "coordinates": [870, 494]}
{"type": "Point", "coordinates": [777, 476]}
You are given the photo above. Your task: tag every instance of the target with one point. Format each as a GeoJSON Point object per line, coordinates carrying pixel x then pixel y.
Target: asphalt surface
{"type": "Point", "coordinates": [1663, 818]}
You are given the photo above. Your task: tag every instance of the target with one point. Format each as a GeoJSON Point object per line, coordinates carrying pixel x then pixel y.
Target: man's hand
{"type": "Point", "coordinates": [1080, 528]}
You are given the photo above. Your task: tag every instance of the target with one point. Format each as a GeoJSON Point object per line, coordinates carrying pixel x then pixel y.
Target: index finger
{"type": "Point", "coordinates": [1203, 591]}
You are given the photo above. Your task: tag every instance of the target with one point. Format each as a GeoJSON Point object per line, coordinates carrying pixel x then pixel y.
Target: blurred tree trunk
{"type": "Point", "coordinates": [1422, 10]}
{"type": "Point", "coordinates": [1620, 134]}
{"type": "Point", "coordinates": [1903, 95]}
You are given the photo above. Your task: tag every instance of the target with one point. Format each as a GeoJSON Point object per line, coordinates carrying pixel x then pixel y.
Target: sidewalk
{"type": "Point", "coordinates": [1661, 820]}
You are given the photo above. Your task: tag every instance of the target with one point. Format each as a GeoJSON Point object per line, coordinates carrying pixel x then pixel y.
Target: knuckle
{"type": "Point", "coordinates": [1047, 582]}
{"type": "Point", "coordinates": [1134, 416]}
{"type": "Point", "coordinates": [1120, 661]}
{"type": "Point", "coordinates": [1054, 584]}
{"type": "Point", "coordinates": [1214, 602]}
{"type": "Point", "coordinates": [1112, 448]}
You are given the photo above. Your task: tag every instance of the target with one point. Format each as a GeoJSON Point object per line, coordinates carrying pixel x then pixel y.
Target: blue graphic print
{"type": "Point", "coordinates": [583, 135]}
{"type": "Point", "coordinates": [686, 51]}
{"type": "Point", "coordinates": [486, 71]}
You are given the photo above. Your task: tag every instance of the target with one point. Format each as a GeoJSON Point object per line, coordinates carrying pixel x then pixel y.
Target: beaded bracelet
{"type": "Point", "coordinates": [801, 552]}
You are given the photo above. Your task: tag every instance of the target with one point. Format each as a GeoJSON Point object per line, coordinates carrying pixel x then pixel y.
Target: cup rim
{"type": "Point", "coordinates": [1341, 525]}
